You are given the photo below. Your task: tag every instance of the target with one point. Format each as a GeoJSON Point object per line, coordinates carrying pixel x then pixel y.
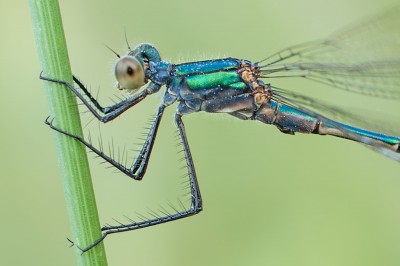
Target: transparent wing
{"type": "Point", "coordinates": [364, 58]}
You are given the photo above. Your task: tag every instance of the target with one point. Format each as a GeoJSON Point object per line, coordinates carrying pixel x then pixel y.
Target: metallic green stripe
{"type": "Point", "coordinates": [213, 80]}
{"type": "Point", "coordinates": [238, 86]}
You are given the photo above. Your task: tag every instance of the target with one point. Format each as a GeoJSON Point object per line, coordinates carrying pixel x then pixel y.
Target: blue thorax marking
{"type": "Point", "coordinates": [201, 67]}
{"type": "Point", "coordinates": [160, 72]}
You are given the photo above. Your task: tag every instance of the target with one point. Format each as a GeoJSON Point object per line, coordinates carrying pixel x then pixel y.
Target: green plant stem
{"type": "Point", "coordinates": [72, 158]}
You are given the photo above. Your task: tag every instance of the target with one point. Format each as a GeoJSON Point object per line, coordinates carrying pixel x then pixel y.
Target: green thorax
{"type": "Point", "coordinates": [211, 74]}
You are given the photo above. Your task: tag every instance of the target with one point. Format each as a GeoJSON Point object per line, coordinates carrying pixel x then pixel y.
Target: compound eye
{"type": "Point", "coordinates": [129, 73]}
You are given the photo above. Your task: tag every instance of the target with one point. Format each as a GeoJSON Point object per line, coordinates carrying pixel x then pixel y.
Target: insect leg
{"type": "Point", "coordinates": [152, 88]}
{"type": "Point", "coordinates": [140, 165]}
{"type": "Point", "coordinates": [104, 110]}
{"type": "Point", "coordinates": [196, 201]}
{"type": "Point", "coordinates": [138, 168]}
{"type": "Point", "coordinates": [111, 112]}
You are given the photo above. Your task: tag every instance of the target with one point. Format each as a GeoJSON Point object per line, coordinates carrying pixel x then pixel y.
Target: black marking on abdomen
{"type": "Point", "coordinates": [317, 126]}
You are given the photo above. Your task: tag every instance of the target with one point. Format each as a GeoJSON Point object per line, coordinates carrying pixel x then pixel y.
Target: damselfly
{"type": "Point", "coordinates": [363, 59]}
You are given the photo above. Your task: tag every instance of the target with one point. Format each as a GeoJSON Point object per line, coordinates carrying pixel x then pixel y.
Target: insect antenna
{"type": "Point", "coordinates": [114, 52]}
{"type": "Point", "coordinates": [126, 40]}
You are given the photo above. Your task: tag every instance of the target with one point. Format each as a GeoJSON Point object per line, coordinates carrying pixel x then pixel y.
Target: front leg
{"type": "Point", "coordinates": [104, 110]}
{"type": "Point", "coordinates": [111, 112]}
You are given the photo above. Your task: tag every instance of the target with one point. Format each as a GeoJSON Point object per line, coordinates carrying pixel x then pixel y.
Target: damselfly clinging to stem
{"type": "Point", "coordinates": [363, 59]}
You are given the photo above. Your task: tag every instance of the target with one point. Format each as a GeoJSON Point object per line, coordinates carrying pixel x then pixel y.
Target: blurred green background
{"type": "Point", "coordinates": [269, 198]}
